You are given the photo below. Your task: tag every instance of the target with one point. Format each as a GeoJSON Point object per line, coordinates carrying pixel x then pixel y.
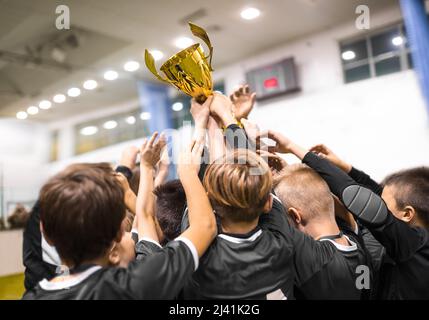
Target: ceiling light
{"type": "Point", "coordinates": [177, 106]}
{"type": "Point", "coordinates": [398, 41]}
{"type": "Point", "coordinates": [184, 42]}
{"type": "Point", "coordinates": [32, 110]}
{"type": "Point", "coordinates": [59, 98]}
{"type": "Point", "coordinates": [45, 104]}
{"type": "Point", "coordinates": [89, 131]}
{"type": "Point", "coordinates": [73, 92]}
{"type": "Point", "coordinates": [145, 116]}
{"type": "Point", "coordinates": [131, 66]}
{"type": "Point", "coordinates": [130, 120]}
{"type": "Point", "coordinates": [111, 124]}
{"type": "Point", "coordinates": [348, 55]}
{"type": "Point", "coordinates": [250, 13]}
{"type": "Point", "coordinates": [21, 115]}
{"type": "Point", "coordinates": [90, 84]}
{"type": "Point", "coordinates": [156, 54]}
{"type": "Point", "coordinates": [110, 75]}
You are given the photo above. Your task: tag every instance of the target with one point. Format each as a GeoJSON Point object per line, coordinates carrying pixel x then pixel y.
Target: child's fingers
{"type": "Point", "coordinates": [152, 139]}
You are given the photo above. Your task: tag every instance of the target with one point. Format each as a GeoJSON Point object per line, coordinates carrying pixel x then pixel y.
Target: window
{"type": "Point", "coordinates": [108, 131]}
{"type": "Point", "coordinates": [379, 53]}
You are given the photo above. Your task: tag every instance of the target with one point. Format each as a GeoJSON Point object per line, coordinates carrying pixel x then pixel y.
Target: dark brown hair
{"type": "Point", "coordinates": [170, 205]}
{"type": "Point", "coordinates": [411, 188]}
{"type": "Point", "coordinates": [82, 209]}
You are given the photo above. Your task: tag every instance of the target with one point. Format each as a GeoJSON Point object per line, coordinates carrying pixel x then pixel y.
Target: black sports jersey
{"type": "Point", "coordinates": [160, 275]}
{"type": "Point", "coordinates": [34, 252]}
{"type": "Point", "coordinates": [407, 276]}
{"type": "Point", "coordinates": [266, 263]}
{"type": "Point", "coordinates": [258, 265]}
{"type": "Point", "coordinates": [328, 270]}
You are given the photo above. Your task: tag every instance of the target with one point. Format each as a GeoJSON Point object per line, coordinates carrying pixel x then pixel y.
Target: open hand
{"type": "Point", "coordinates": [243, 101]}
{"type": "Point", "coordinates": [150, 152]}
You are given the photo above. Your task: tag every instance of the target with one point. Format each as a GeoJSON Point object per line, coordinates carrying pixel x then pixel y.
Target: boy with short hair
{"type": "Point", "coordinates": [82, 214]}
{"type": "Point", "coordinates": [406, 240]}
{"type": "Point", "coordinates": [310, 206]}
{"type": "Point", "coordinates": [252, 251]}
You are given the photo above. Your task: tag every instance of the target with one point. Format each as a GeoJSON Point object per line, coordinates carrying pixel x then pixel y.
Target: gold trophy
{"type": "Point", "coordinates": [188, 70]}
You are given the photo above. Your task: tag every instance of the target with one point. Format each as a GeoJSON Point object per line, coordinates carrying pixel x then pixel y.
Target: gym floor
{"type": "Point", "coordinates": [12, 287]}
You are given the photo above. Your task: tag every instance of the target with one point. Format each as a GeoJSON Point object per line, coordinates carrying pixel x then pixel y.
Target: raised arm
{"type": "Point", "coordinates": [400, 240]}
{"type": "Point", "coordinates": [359, 176]}
{"type": "Point", "coordinates": [202, 223]}
{"type": "Point", "coordinates": [150, 154]}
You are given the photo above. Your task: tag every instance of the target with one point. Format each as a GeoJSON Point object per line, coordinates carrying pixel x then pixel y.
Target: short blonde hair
{"type": "Point", "coordinates": [301, 187]}
{"type": "Point", "coordinates": [239, 185]}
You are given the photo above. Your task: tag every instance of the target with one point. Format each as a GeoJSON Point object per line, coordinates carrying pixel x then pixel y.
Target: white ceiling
{"type": "Point", "coordinates": [113, 31]}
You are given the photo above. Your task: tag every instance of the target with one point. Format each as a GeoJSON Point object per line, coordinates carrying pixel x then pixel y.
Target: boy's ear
{"type": "Point", "coordinates": [295, 215]}
{"type": "Point", "coordinates": [408, 214]}
{"type": "Point", "coordinates": [269, 204]}
{"type": "Point", "coordinates": [42, 231]}
{"type": "Point", "coordinates": [114, 257]}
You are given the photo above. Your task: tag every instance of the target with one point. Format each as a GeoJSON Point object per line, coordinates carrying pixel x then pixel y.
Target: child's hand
{"type": "Point", "coordinates": [221, 109]}
{"type": "Point", "coordinates": [322, 151]}
{"type": "Point", "coordinates": [150, 152]}
{"type": "Point", "coordinates": [129, 156]}
{"type": "Point", "coordinates": [201, 112]}
{"type": "Point", "coordinates": [282, 143]}
{"type": "Point", "coordinates": [190, 159]}
{"type": "Point", "coordinates": [275, 162]}
{"type": "Point", "coordinates": [243, 101]}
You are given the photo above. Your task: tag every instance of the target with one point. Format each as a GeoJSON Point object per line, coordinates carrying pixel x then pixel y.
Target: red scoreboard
{"type": "Point", "coordinates": [274, 80]}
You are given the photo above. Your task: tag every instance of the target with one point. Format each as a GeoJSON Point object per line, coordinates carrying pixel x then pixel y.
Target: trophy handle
{"type": "Point", "coordinates": [150, 64]}
{"type": "Point", "coordinates": [202, 34]}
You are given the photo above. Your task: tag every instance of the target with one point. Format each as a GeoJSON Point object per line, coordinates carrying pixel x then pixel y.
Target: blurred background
{"type": "Point", "coordinates": [84, 93]}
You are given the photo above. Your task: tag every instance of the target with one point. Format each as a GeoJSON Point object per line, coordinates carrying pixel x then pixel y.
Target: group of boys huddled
{"type": "Point", "coordinates": [239, 223]}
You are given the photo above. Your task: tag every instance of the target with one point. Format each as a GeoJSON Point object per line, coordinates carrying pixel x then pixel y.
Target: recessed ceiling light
{"type": "Point", "coordinates": [32, 110]}
{"type": "Point", "coordinates": [111, 75]}
{"type": "Point", "coordinates": [250, 13]}
{"type": "Point", "coordinates": [156, 54]}
{"type": "Point", "coordinates": [21, 115]}
{"type": "Point", "coordinates": [59, 98]}
{"type": "Point", "coordinates": [90, 84]}
{"type": "Point", "coordinates": [45, 104]}
{"type": "Point", "coordinates": [111, 124]}
{"type": "Point", "coordinates": [145, 115]}
{"type": "Point", "coordinates": [131, 66]}
{"type": "Point", "coordinates": [130, 120]}
{"type": "Point", "coordinates": [73, 92]}
{"type": "Point", "coordinates": [397, 41]}
{"type": "Point", "coordinates": [89, 131]}
{"type": "Point", "coordinates": [348, 55]}
{"type": "Point", "coordinates": [177, 106]}
{"type": "Point", "coordinates": [183, 42]}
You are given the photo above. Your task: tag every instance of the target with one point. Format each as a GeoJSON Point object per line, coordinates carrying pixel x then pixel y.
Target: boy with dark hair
{"type": "Point", "coordinates": [170, 206]}
{"type": "Point", "coordinates": [405, 239]}
{"type": "Point", "coordinates": [83, 213]}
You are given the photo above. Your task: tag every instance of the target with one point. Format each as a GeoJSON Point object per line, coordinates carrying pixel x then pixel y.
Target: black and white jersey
{"type": "Point", "coordinates": [40, 259]}
{"type": "Point", "coordinates": [161, 274]}
{"type": "Point", "coordinates": [328, 270]}
{"type": "Point", "coordinates": [257, 265]}
{"type": "Point", "coordinates": [404, 275]}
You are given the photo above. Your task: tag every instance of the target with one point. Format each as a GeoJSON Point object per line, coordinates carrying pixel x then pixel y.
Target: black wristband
{"type": "Point", "coordinates": [125, 171]}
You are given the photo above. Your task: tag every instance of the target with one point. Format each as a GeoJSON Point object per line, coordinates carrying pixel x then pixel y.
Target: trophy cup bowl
{"type": "Point", "coordinates": [188, 70]}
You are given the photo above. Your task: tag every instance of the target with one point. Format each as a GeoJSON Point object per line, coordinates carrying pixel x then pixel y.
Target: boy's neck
{"type": "Point", "coordinates": [321, 228]}
{"type": "Point", "coordinates": [238, 227]}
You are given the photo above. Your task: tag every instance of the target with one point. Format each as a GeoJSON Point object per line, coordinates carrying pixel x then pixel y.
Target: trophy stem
{"type": "Point", "coordinates": [201, 99]}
